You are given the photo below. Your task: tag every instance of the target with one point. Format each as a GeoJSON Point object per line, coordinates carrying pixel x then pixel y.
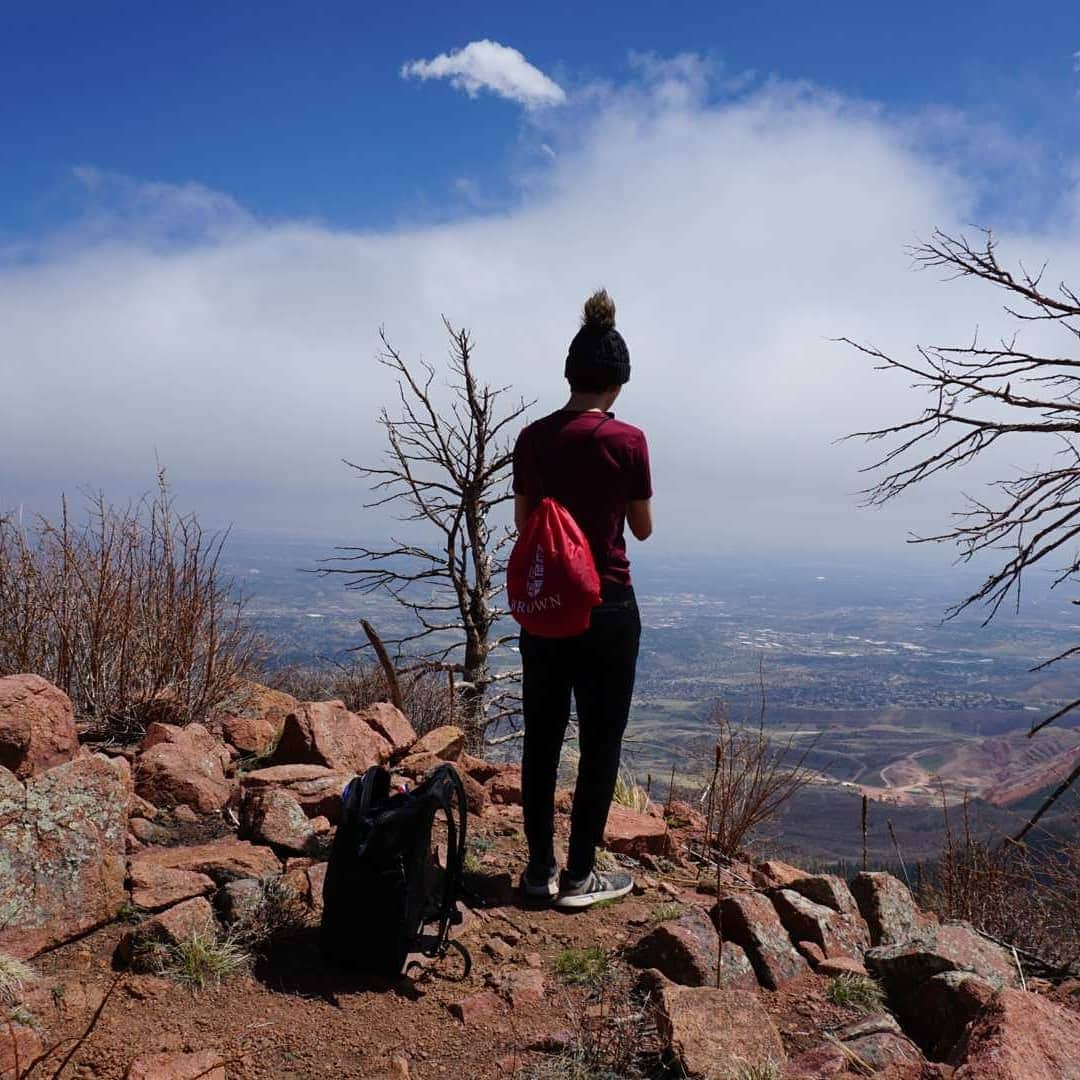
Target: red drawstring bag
{"type": "Point", "coordinates": [551, 580]}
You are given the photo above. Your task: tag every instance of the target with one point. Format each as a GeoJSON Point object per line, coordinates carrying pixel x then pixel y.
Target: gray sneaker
{"type": "Point", "coordinates": [539, 887]}
{"type": "Point", "coordinates": [591, 890]}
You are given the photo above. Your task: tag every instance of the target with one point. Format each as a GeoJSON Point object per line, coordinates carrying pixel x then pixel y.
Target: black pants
{"type": "Point", "coordinates": [598, 666]}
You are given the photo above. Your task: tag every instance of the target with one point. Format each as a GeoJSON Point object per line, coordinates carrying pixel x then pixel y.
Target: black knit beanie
{"type": "Point", "coordinates": [598, 349]}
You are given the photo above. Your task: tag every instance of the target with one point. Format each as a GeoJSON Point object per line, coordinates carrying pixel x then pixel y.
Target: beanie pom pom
{"type": "Point", "coordinates": [599, 311]}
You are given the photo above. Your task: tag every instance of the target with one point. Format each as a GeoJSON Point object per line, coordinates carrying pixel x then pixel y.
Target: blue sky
{"type": "Point", "coordinates": [298, 111]}
{"type": "Point", "coordinates": [208, 211]}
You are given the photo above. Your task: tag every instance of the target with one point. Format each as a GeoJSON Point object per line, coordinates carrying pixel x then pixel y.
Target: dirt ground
{"type": "Point", "coordinates": [289, 1018]}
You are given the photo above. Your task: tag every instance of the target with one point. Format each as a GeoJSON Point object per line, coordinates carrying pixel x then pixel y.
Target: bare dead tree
{"type": "Point", "coordinates": [995, 395]}
{"type": "Point", "coordinates": [448, 468]}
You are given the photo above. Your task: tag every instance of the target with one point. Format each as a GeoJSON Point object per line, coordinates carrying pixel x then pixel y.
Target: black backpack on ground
{"type": "Point", "coordinates": [383, 885]}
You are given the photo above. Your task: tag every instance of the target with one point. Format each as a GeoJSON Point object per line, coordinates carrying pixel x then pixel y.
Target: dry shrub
{"type": "Point", "coordinates": [426, 696]}
{"type": "Point", "coordinates": [753, 776]}
{"type": "Point", "coordinates": [612, 1039]}
{"type": "Point", "coordinates": [1026, 895]}
{"type": "Point", "coordinates": [127, 613]}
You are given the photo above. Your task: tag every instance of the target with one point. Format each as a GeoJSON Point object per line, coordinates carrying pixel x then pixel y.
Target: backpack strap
{"type": "Point", "coordinates": [363, 792]}
{"type": "Point", "coordinates": [455, 862]}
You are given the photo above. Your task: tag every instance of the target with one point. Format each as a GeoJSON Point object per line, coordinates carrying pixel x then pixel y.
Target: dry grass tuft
{"type": "Point", "coordinates": [14, 975]}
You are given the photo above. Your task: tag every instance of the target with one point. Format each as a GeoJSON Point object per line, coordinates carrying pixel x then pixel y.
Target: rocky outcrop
{"type": "Point", "coordinates": [326, 733]}
{"type": "Point", "coordinates": [835, 934]}
{"type": "Point", "coordinates": [182, 766]}
{"type": "Point", "coordinates": [156, 887]}
{"type": "Point", "coordinates": [1020, 1036]}
{"type": "Point", "coordinates": [272, 816]}
{"type": "Point", "coordinates": [948, 947]}
{"type": "Point", "coordinates": [316, 788]}
{"type": "Point", "coordinates": [62, 851]}
{"type": "Point", "coordinates": [221, 860]}
{"type": "Point", "coordinates": [714, 1034]}
{"type": "Point", "coordinates": [631, 833]}
{"type": "Point", "coordinates": [37, 725]}
{"type": "Point", "coordinates": [144, 945]}
{"type": "Point", "coordinates": [888, 907]}
{"type": "Point", "coordinates": [391, 723]}
{"type": "Point", "coordinates": [446, 743]}
{"type": "Point", "coordinates": [685, 949]}
{"type": "Point", "coordinates": [253, 735]}
{"type": "Point", "coordinates": [505, 786]}
{"type": "Point", "coordinates": [751, 921]}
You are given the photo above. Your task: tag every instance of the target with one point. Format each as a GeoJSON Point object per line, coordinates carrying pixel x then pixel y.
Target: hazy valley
{"type": "Point", "coordinates": [855, 660]}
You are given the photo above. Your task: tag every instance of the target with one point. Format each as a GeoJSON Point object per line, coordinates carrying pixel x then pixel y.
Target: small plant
{"type": "Point", "coordinates": [583, 967]}
{"type": "Point", "coordinates": [275, 913]}
{"type": "Point", "coordinates": [611, 1040]}
{"type": "Point", "coordinates": [605, 861]}
{"type": "Point", "coordinates": [629, 793]}
{"type": "Point", "coordinates": [856, 992]}
{"type": "Point", "coordinates": [204, 959]}
{"type": "Point", "coordinates": [14, 975]}
{"type": "Point", "coordinates": [667, 912]}
{"type": "Point", "coordinates": [758, 1070]}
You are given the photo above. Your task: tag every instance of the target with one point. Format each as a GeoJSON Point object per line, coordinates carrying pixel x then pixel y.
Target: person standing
{"type": "Point", "coordinates": [597, 467]}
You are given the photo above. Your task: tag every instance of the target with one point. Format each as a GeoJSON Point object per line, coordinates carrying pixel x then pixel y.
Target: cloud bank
{"type": "Point", "coordinates": [487, 65]}
{"type": "Point", "coordinates": [738, 238]}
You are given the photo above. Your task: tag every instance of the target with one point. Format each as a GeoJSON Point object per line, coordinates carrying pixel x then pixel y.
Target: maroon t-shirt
{"type": "Point", "coordinates": [594, 465]}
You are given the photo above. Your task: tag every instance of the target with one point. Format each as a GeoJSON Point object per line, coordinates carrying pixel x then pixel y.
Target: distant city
{"type": "Point", "coordinates": [857, 658]}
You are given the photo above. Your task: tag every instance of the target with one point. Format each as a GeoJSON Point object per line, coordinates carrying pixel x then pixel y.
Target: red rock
{"type": "Point", "coordinates": [37, 725]}
{"type": "Point", "coordinates": [829, 890]}
{"type": "Point", "coordinates": [316, 788]}
{"type": "Point", "coordinates": [476, 1007]}
{"type": "Point", "coordinates": [750, 920]}
{"type": "Point", "coordinates": [939, 1013]}
{"type": "Point", "coordinates": [505, 786]}
{"type": "Point", "coordinates": [272, 816]}
{"type": "Point", "coordinates": [476, 796]}
{"type": "Point", "coordinates": [446, 743]}
{"type": "Point", "coordinates": [182, 766]}
{"type": "Point", "coordinates": [252, 699]}
{"type": "Point", "coordinates": [250, 734]}
{"type": "Point", "coordinates": [326, 733]}
{"type": "Point", "coordinates": [155, 887]}
{"type": "Point", "coordinates": [841, 965]}
{"type": "Point", "coordinates": [203, 1065]}
{"type": "Point", "coordinates": [169, 927]}
{"type": "Point", "coordinates": [888, 908]}
{"type": "Point", "coordinates": [62, 852]}
{"type": "Point", "coordinates": [949, 947]}
{"type": "Point", "coordinates": [415, 765]}
{"type": "Point", "coordinates": [813, 953]}
{"type": "Point", "coordinates": [821, 1063]}
{"type": "Point", "coordinates": [480, 770]}
{"type": "Point", "coordinates": [775, 874]}
{"type": "Point", "coordinates": [18, 1043]}
{"type": "Point", "coordinates": [713, 1034]}
{"type": "Point", "coordinates": [836, 934]}
{"type": "Point", "coordinates": [685, 950]}
{"type": "Point", "coordinates": [223, 860]}
{"type": "Point", "coordinates": [316, 876]}
{"type": "Point", "coordinates": [1020, 1036]}
{"type": "Point", "coordinates": [521, 986]}
{"type": "Point", "coordinates": [389, 722]}
{"type": "Point", "coordinates": [630, 833]}
{"type": "Point", "coordinates": [882, 1049]}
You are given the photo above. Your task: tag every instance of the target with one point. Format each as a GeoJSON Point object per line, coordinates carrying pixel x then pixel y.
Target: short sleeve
{"type": "Point", "coordinates": [524, 470]}
{"type": "Point", "coordinates": [640, 486]}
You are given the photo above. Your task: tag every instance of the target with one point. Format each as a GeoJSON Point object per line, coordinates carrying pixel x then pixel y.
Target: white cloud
{"type": "Point", "coordinates": [736, 238]}
{"type": "Point", "coordinates": [487, 65]}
